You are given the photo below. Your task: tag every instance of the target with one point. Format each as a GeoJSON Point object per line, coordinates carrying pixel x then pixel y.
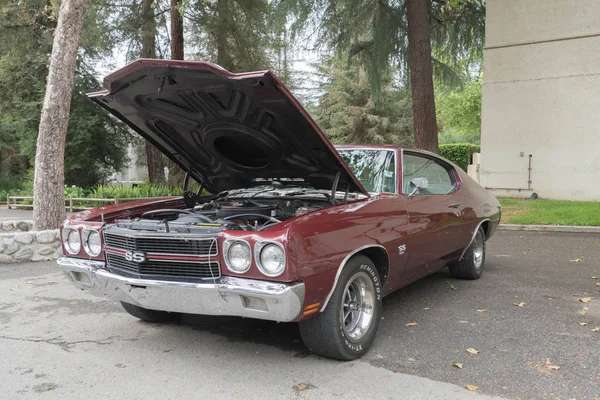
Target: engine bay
{"type": "Point", "coordinates": [226, 213]}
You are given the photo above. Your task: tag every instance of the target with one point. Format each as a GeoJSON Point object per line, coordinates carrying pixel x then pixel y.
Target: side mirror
{"type": "Point", "coordinates": [418, 184]}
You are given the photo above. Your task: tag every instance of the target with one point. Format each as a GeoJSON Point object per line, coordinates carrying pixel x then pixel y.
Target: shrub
{"type": "Point", "coordinates": [459, 153]}
{"type": "Point", "coordinates": [143, 190]}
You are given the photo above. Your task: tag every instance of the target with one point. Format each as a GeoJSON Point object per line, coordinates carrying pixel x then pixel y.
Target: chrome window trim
{"type": "Point", "coordinates": [258, 247]}
{"type": "Point", "coordinates": [226, 245]}
{"type": "Point", "coordinates": [396, 189]}
{"type": "Point", "coordinates": [341, 267]}
{"type": "Point", "coordinates": [455, 176]}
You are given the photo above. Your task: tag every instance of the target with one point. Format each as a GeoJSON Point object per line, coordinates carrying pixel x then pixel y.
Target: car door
{"type": "Point", "coordinates": [434, 216]}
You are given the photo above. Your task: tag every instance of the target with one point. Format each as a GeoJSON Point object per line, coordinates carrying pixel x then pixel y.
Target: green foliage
{"type": "Point", "coordinates": [459, 153]}
{"type": "Point", "coordinates": [231, 33]}
{"type": "Point", "coordinates": [460, 111]}
{"type": "Point", "coordinates": [347, 111]}
{"type": "Point", "coordinates": [375, 35]}
{"type": "Point", "coordinates": [96, 143]}
{"type": "Point", "coordinates": [143, 190]}
{"type": "Point", "coordinates": [448, 137]}
{"type": "Point", "coordinates": [550, 212]}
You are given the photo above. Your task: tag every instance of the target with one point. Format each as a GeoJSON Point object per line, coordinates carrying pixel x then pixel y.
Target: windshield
{"type": "Point", "coordinates": [374, 168]}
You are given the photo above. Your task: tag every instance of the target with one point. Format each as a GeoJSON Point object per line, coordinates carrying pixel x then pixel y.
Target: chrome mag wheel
{"type": "Point", "coordinates": [357, 306]}
{"type": "Point", "coordinates": [478, 249]}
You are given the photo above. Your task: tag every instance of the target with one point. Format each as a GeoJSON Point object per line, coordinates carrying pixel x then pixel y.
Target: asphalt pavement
{"type": "Point", "coordinates": [58, 342]}
{"type": "Point", "coordinates": [15, 215]}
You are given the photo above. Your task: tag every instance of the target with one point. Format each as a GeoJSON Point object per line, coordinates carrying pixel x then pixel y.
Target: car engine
{"type": "Point", "coordinates": [223, 213]}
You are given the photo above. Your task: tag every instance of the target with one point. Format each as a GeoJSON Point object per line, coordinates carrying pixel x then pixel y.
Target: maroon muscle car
{"type": "Point", "coordinates": [295, 230]}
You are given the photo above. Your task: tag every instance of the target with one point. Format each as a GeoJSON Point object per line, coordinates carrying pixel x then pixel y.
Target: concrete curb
{"type": "Point", "coordinates": [550, 228]}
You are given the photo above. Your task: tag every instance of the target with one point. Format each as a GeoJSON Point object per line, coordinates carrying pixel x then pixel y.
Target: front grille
{"type": "Point", "coordinates": [163, 245]}
{"type": "Point", "coordinates": [163, 269]}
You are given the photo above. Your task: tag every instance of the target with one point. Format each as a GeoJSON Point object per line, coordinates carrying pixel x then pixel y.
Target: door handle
{"type": "Point", "coordinates": [454, 205]}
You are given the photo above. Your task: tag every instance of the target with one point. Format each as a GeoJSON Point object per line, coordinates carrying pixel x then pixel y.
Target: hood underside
{"type": "Point", "coordinates": [227, 130]}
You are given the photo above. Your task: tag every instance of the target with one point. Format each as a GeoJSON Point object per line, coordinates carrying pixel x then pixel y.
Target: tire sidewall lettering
{"type": "Point", "coordinates": [372, 272]}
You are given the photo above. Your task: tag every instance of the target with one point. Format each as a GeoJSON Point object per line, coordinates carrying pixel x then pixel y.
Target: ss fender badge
{"type": "Point", "coordinates": [135, 256]}
{"type": "Point", "coordinates": [401, 249]}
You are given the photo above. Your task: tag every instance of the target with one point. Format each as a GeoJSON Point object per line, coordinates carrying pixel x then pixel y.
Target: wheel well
{"type": "Point", "coordinates": [486, 229]}
{"type": "Point", "coordinates": [380, 258]}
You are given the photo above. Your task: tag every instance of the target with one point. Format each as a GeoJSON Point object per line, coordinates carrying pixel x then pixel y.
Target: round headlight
{"type": "Point", "coordinates": [238, 257]}
{"type": "Point", "coordinates": [92, 243]}
{"type": "Point", "coordinates": [73, 241]}
{"type": "Point", "coordinates": [272, 260]}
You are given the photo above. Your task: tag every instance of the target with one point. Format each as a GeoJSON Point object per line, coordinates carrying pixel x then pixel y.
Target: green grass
{"type": "Point", "coordinates": [550, 212]}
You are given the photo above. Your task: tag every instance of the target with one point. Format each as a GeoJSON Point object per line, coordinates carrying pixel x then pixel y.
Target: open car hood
{"type": "Point", "coordinates": [227, 130]}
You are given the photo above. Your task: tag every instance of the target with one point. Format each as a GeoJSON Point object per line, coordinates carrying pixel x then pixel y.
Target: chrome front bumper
{"type": "Point", "coordinates": [227, 295]}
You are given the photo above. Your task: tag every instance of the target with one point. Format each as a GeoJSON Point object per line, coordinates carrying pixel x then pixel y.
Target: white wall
{"type": "Point", "coordinates": [541, 96]}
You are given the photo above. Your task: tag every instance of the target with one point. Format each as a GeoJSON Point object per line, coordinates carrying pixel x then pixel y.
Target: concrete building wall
{"type": "Point", "coordinates": [541, 96]}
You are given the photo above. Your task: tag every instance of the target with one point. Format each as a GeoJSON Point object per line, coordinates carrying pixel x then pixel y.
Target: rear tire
{"type": "Point", "coordinates": [348, 326]}
{"type": "Point", "coordinates": [148, 315]}
{"type": "Point", "coordinates": [472, 264]}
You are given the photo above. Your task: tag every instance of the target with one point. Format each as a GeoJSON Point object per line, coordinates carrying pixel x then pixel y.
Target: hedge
{"type": "Point", "coordinates": [459, 153]}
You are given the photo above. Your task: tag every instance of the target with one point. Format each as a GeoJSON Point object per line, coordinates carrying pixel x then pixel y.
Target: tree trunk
{"type": "Point", "coordinates": [154, 158]}
{"type": "Point", "coordinates": [48, 186]}
{"type": "Point", "coordinates": [421, 75]}
{"type": "Point", "coordinates": [176, 174]}
{"type": "Point", "coordinates": [176, 31]}
{"type": "Point", "coordinates": [223, 58]}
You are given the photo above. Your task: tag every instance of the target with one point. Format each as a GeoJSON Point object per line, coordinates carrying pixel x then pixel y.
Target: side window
{"type": "Point", "coordinates": [440, 178]}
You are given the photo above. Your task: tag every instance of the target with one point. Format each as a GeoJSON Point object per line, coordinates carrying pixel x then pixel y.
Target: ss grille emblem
{"type": "Point", "coordinates": [135, 256]}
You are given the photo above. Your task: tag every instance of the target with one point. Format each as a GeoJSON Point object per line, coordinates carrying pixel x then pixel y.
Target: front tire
{"type": "Point", "coordinates": [148, 315]}
{"type": "Point", "coordinates": [471, 265]}
{"type": "Point", "coordinates": [348, 326]}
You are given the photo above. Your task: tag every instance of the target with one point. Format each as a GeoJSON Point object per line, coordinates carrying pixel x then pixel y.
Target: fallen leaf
{"type": "Point", "coordinates": [585, 299]}
{"type": "Point", "coordinates": [551, 367]}
{"type": "Point", "coordinates": [472, 388]}
{"type": "Point", "coordinates": [472, 350]}
{"type": "Point", "coordinates": [302, 386]}
{"type": "Point", "coordinates": [28, 283]}
{"type": "Point", "coordinates": [576, 260]}
{"type": "Point", "coordinates": [119, 365]}
{"type": "Point", "coordinates": [595, 277]}
{"type": "Point", "coordinates": [521, 304]}
{"type": "Point", "coordinates": [482, 310]}
{"type": "Point", "coordinates": [596, 329]}
{"type": "Point", "coordinates": [412, 324]}
{"type": "Point", "coordinates": [44, 387]}
{"type": "Point", "coordinates": [451, 285]}
{"type": "Point", "coordinates": [582, 312]}
{"type": "Point", "coordinates": [427, 308]}
{"type": "Point", "coordinates": [457, 365]}
{"type": "Point", "coordinates": [51, 283]}
{"type": "Point", "coordinates": [583, 323]}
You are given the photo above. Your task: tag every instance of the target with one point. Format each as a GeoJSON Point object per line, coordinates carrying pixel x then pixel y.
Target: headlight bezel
{"type": "Point", "coordinates": [227, 245]}
{"type": "Point", "coordinates": [66, 233]}
{"type": "Point", "coordinates": [259, 247]}
{"type": "Point", "coordinates": [87, 232]}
